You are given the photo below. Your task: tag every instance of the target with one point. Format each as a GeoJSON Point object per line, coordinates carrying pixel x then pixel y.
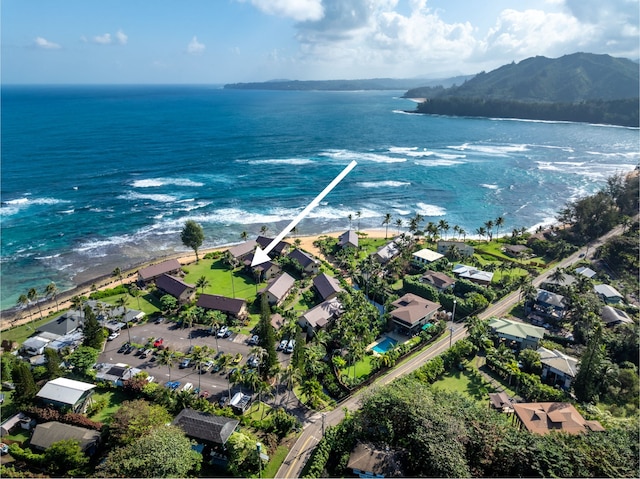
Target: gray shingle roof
{"type": "Point", "coordinates": [47, 433]}
{"type": "Point", "coordinates": [326, 285]}
{"type": "Point", "coordinates": [205, 426]}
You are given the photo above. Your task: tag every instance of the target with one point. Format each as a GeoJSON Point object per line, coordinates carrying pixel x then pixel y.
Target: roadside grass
{"type": "Point", "coordinates": [275, 461]}
{"type": "Point", "coordinates": [115, 398]}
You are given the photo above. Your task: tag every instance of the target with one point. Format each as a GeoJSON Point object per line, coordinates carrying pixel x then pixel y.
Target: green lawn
{"type": "Point", "coordinates": [115, 398]}
{"type": "Point", "coordinates": [21, 333]}
{"type": "Point", "coordinates": [465, 383]}
{"type": "Point", "coordinates": [221, 281]}
{"type": "Point", "coordinates": [259, 410]}
{"type": "Point", "coordinates": [275, 461]}
{"type": "Point", "coordinates": [363, 368]}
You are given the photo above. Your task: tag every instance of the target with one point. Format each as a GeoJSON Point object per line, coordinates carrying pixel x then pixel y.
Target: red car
{"type": "Point", "coordinates": [204, 394]}
{"type": "Point", "coordinates": [158, 342]}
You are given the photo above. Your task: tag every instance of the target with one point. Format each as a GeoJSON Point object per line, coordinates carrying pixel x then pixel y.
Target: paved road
{"type": "Point", "coordinates": [313, 428]}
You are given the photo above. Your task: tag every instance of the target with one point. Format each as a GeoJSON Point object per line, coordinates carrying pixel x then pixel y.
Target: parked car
{"type": "Point", "coordinates": [185, 363]}
{"type": "Point", "coordinates": [130, 349]}
{"type": "Point", "coordinates": [223, 401]}
{"type": "Point", "coordinates": [187, 387]}
{"type": "Point", "coordinates": [232, 371]}
{"type": "Point", "coordinates": [4, 449]}
{"type": "Point", "coordinates": [124, 348]}
{"type": "Point", "coordinates": [237, 358]}
{"type": "Point", "coordinates": [254, 340]}
{"type": "Point", "coordinates": [113, 335]}
{"type": "Point", "coordinates": [282, 345]}
{"type": "Point", "coordinates": [158, 342]}
{"type": "Point", "coordinates": [253, 362]}
{"type": "Point", "coordinates": [227, 333]}
{"type": "Point", "coordinates": [173, 384]}
{"type": "Point", "coordinates": [160, 320]}
{"type": "Point", "coordinates": [146, 353]}
{"type": "Point", "coordinates": [290, 345]}
{"type": "Point", "coordinates": [204, 394]}
{"type": "Point", "coordinates": [222, 331]}
{"type": "Point", "coordinates": [217, 356]}
{"type": "Point", "coordinates": [216, 367]}
{"type": "Point", "coordinates": [205, 367]}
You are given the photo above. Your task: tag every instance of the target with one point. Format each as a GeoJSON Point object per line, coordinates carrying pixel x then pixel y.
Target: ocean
{"type": "Point", "coordinates": [98, 177]}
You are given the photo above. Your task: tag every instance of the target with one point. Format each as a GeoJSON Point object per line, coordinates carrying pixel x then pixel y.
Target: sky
{"type": "Point", "coordinates": [228, 41]}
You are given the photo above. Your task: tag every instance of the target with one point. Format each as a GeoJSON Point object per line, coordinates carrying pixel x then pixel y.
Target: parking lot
{"type": "Point", "coordinates": [181, 340]}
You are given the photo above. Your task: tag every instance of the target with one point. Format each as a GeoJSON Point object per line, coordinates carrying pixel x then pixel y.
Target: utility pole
{"type": "Point", "coordinates": [258, 445]}
{"type": "Point", "coordinates": [323, 419]}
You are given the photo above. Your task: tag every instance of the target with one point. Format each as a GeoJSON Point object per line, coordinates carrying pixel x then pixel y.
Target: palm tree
{"type": "Point", "coordinates": [443, 226]}
{"type": "Point", "coordinates": [557, 276]}
{"type": "Point", "coordinates": [244, 235]}
{"type": "Point", "coordinates": [499, 222]}
{"type": "Point", "coordinates": [51, 291]}
{"type": "Point", "coordinates": [23, 301]}
{"type": "Point", "coordinates": [311, 388]}
{"type": "Point", "coordinates": [32, 294]}
{"type": "Point", "coordinates": [385, 222]}
{"type": "Point", "coordinates": [117, 272]}
{"type": "Point", "coordinates": [216, 319]}
{"type": "Point", "coordinates": [463, 233]}
{"type": "Point", "coordinates": [481, 231]}
{"type": "Point", "coordinates": [167, 358]}
{"type": "Point", "coordinates": [263, 230]}
{"type": "Point", "coordinates": [199, 355]}
{"type": "Point", "coordinates": [358, 215]}
{"type": "Point", "coordinates": [202, 283]}
{"type": "Point", "coordinates": [399, 224]}
{"type": "Point", "coordinates": [135, 291]}
{"type": "Point", "coordinates": [489, 226]}
{"type": "Point", "coordinates": [290, 376]}
{"type": "Point", "coordinates": [260, 353]}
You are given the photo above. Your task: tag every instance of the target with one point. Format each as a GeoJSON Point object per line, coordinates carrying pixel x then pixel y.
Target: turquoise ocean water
{"type": "Point", "coordinates": [95, 177]}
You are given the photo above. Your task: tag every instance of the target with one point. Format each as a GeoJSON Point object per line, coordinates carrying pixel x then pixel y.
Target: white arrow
{"type": "Point", "coordinates": [262, 256]}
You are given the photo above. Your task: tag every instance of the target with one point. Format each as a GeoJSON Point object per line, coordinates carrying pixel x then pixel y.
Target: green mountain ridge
{"type": "Point", "coordinates": [349, 85]}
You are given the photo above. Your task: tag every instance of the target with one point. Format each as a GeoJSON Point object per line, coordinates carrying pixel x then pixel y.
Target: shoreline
{"type": "Point", "coordinates": [14, 316]}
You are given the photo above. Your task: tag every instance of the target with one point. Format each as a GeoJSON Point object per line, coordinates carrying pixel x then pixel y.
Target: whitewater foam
{"type": "Point", "coordinates": [158, 182]}
{"type": "Point", "coordinates": [383, 184]}
{"type": "Point", "coordinates": [430, 210]}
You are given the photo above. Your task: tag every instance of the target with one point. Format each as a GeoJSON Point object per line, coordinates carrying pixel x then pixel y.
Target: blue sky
{"type": "Point", "coordinates": [224, 41]}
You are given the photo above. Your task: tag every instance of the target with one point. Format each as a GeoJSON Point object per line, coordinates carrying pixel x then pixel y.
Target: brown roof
{"type": "Point", "coordinates": [367, 458]}
{"type": "Point", "coordinates": [208, 427]}
{"type": "Point", "coordinates": [544, 417]}
{"type": "Point", "coordinates": [172, 285]}
{"type": "Point", "coordinates": [326, 285]}
{"type": "Point", "coordinates": [263, 241]}
{"type": "Point", "coordinates": [305, 259]}
{"type": "Point", "coordinates": [155, 270]}
{"type": "Point", "coordinates": [280, 286]}
{"type": "Point", "coordinates": [221, 303]}
{"type": "Point", "coordinates": [412, 308]}
{"type": "Point", "coordinates": [242, 249]}
{"type": "Point", "coordinates": [499, 400]}
{"type": "Point", "coordinates": [438, 279]}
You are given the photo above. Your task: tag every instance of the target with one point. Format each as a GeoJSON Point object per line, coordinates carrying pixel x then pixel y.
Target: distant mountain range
{"type": "Point", "coordinates": [350, 85]}
{"type": "Point", "coordinates": [579, 87]}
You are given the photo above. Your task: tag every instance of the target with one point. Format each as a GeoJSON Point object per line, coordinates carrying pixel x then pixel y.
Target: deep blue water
{"type": "Point", "coordinates": [96, 177]}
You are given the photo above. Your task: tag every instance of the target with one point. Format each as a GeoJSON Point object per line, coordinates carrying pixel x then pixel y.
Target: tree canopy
{"type": "Point", "coordinates": [192, 236]}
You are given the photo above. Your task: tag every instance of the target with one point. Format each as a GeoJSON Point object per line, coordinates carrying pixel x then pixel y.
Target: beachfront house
{"type": "Point", "coordinates": [307, 262]}
{"type": "Point", "coordinates": [63, 393]}
{"type": "Point", "coordinates": [263, 271]}
{"type": "Point", "coordinates": [48, 433]}
{"type": "Point", "coordinates": [463, 249]}
{"type": "Point", "coordinates": [177, 288]}
{"type": "Point", "coordinates": [608, 294]}
{"type": "Point", "coordinates": [151, 273]}
{"type": "Point", "coordinates": [515, 250]}
{"type": "Point", "coordinates": [348, 239]}
{"type": "Point", "coordinates": [557, 368]}
{"type": "Point", "coordinates": [386, 253]}
{"type": "Point", "coordinates": [411, 313]}
{"type": "Point", "coordinates": [280, 249]}
{"type": "Point", "coordinates": [472, 274]}
{"type": "Point", "coordinates": [278, 289]}
{"type": "Point", "coordinates": [232, 307]}
{"type": "Point", "coordinates": [425, 257]}
{"type": "Point", "coordinates": [327, 286]}
{"type": "Point", "coordinates": [515, 334]}
{"type": "Point", "coordinates": [438, 280]}
{"type": "Point", "coordinates": [68, 322]}
{"type": "Point", "coordinates": [544, 417]}
{"type": "Point", "coordinates": [320, 316]}
{"type": "Point", "coordinates": [238, 253]}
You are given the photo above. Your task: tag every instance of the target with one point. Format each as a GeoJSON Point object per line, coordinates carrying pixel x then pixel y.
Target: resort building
{"type": "Point", "coordinates": [386, 253]}
{"type": "Point", "coordinates": [308, 263]}
{"type": "Point", "coordinates": [63, 393]}
{"type": "Point", "coordinates": [545, 417]}
{"type": "Point", "coordinates": [151, 273]}
{"type": "Point", "coordinates": [472, 274]}
{"type": "Point", "coordinates": [279, 249]}
{"type": "Point", "coordinates": [558, 368]}
{"type": "Point", "coordinates": [278, 289]}
{"type": "Point", "coordinates": [238, 253]}
{"type": "Point", "coordinates": [348, 239]}
{"type": "Point", "coordinates": [264, 271]}
{"type": "Point", "coordinates": [68, 322]}
{"type": "Point", "coordinates": [425, 257]}
{"type": "Point", "coordinates": [48, 433]}
{"type": "Point", "coordinates": [320, 316]}
{"type": "Point", "coordinates": [327, 286]}
{"type": "Point", "coordinates": [608, 294]}
{"type": "Point", "coordinates": [236, 308]}
{"type": "Point", "coordinates": [412, 313]}
{"type": "Point", "coordinates": [207, 427]}
{"type": "Point", "coordinates": [516, 334]}
{"type": "Point", "coordinates": [177, 288]}
{"type": "Point", "coordinates": [465, 250]}
{"type": "Point", "coordinates": [438, 280]}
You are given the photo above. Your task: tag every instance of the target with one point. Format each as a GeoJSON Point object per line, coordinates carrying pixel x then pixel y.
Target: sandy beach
{"type": "Point", "coordinates": [11, 318]}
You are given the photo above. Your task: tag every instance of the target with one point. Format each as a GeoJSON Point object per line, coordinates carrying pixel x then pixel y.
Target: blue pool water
{"type": "Point", "coordinates": [385, 345]}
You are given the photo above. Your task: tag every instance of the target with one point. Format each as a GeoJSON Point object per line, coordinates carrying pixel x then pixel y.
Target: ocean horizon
{"type": "Point", "coordinates": [99, 177]}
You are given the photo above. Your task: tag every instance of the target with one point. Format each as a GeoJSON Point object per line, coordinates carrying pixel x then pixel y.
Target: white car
{"type": "Point", "coordinates": [187, 387]}
{"type": "Point", "coordinates": [222, 331]}
{"type": "Point", "coordinates": [113, 335]}
{"type": "Point", "coordinates": [283, 344]}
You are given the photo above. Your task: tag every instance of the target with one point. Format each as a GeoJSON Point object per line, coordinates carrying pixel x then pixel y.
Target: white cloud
{"type": "Point", "coordinates": [299, 10]}
{"type": "Point", "coordinates": [102, 39]}
{"type": "Point", "coordinates": [121, 37]}
{"type": "Point", "coordinates": [46, 44]}
{"type": "Point", "coordinates": [195, 47]}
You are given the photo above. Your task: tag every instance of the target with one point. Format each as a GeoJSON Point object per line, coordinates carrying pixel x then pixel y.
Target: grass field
{"type": "Point", "coordinates": [465, 383]}
{"type": "Point", "coordinates": [221, 280]}
{"type": "Point", "coordinates": [115, 398]}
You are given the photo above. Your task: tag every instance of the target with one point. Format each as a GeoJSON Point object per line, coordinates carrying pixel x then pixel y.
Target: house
{"type": "Point", "coordinates": [327, 286]}
{"type": "Point", "coordinates": [236, 308]}
{"type": "Point", "coordinates": [472, 274]}
{"type": "Point", "coordinates": [558, 368]}
{"type": "Point", "coordinates": [515, 250]}
{"type": "Point", "coordinates": [549, 304]}
{"type": "Point", "coordinates": [386, 253]}
{"type": "Point", "coordinates": [116, 374]}
{"type": "Point", "coordinates": [280, 249]}
{"type": "Point", "coordinates": [177, 288]}
{"type": "Point", "coordinates": [438, 280]}
{"type": "Point", "coordinates": [278, 289]}
{"type": "Point", "coordinates": [608, 293]}
{"type": "Point", "coordinates": [308, 263]}
{"type": "Point", "coordinates": [545, 417]}
{"type": "Point", "coordinates": [63, 393]}
{"type": "Point", "coordinates": [34, 345]}
{"type": "Point", "coordinates": [366, 460]}
{"type": "Point", "coordinates": [19, 420]}
{"type": "Point", "coordinates": [264, 271]}
{"type": "Point", "coordinates": [45, 434]}
{"type": "Point", "coordinates": [319, 316]}
{"type": "Point", "coordinates": [425, 256]}
{"type": "Point", "coordinates": [465, 250]}
{"type": "Point", "coordinates": [500, 401]}
{"type": "Point", "coordinates": [151, 273]}
{"type": "Point", "coordinates": [613, 316]}
{"type": "Point", "coordinates": [68, 322]}
{"type": "Point", "coordinates": [348, 239]}
{"type": "Point", "coordinates": [553, 285]}
{"type": "Point", "coordinates": [515, 333]}
{"type": "Point", "coordinates": [412, 313]}
{"type": "Point", "coordinates": [205, 427]}
{"type": "Point", "coordinates": [584, 271]}
{"type": "Point", "coordinates": [238, 253]}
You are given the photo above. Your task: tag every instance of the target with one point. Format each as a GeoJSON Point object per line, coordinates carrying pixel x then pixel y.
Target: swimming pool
{"type": "Point", "coordinates": [385, 345]}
